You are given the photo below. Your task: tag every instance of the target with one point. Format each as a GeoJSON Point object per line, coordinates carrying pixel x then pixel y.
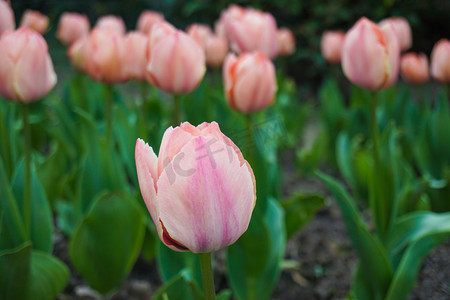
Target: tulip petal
{"type": "Point", "coordinates": [146, 166]}
{"type": "Point", "coordinates": [6, 73]}
{"type": "Point", "coordinates": [206, 195]}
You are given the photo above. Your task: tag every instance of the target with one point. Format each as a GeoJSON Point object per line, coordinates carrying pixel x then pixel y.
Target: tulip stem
{"type": "Point", "coordinates": [374, 127]}
{"type": "Point", "coordinates": [176, 110]}
{"type": "Point", "coordinates": [249, 142]}
{"type": "Point", "coordinates": [207, 276]}
{"type": "Point", "coordinates": [144, 110]}
{"type": "Point", "coordinates": [27, 187]}
{"type": "Point", "coordinates": [109, 102]}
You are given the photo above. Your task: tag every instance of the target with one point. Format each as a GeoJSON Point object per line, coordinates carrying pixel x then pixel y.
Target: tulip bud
{"type": "Point", "coordinates": [200, 191]}
{"type": "Point", "coordinates": [249, 81]}
{"type": "Point", "coordinates": [286, 41]}
{"type": "Point", "coordinates": [147, 19]}
{"type": "Point", "coordinates": [112, 23]}
{"type": "Point", "coordinates": [414, 68]}
{"type": "Point", "coordinates": [331, 46]}
{"type": "Point", "coordinates": [176, 63]}
{"type": "Point", "coordinates": [216, 50]}
{"type": "Point", "coordinates": [34, 20]}
{"type": "Point", "coordinates": [200, 33]}
{"type": "Point", "coordinates": [440, 61]}
{"type": "Point", "coordinates": [26, 69]}
{"type": "Point", "coordinates": [6, 17]}
{"type": "Point", "coordinates": [402, 28]}
{"type": "Point", "coordinates": [370, 56]}
{"type": "Point", "coordinates": [135, 59]}
{"type": "Point", "coordinates": [253, 30]}
{"type": "Point", "coordinates": [233, 11]}
{"type": "Point", "coordinates": [71, 27]}
{"type": "Point", "coordinates": [103, 56]}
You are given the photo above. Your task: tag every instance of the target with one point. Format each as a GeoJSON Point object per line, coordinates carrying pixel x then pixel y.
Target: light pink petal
{"type": "Point", "coordinates": [6, 73]}
{"type": "Point", "coordinates": [173, 140]}
{"type": "Point", "coordinates": [206, 196]}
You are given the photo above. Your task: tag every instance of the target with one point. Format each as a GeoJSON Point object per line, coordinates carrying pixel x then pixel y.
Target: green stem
{"type": "Point", "coordinates": [27, 187]}
{"type": "Point", "coordinates": [109, 102]}
{"type": "Point", "coordinates": [374, 128]}
{"type": "Point", "coordinates": [207, 275]}
{"type": "Point", "coordinates": [176, 110]}
{"type": "Point", "coordinates": [249, 143]}
{"type": "Point", "coordinates": [144, 110]}
{"type": "Point", "coordinates": [4, 141]}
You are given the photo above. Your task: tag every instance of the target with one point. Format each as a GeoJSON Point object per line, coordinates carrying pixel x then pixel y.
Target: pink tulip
{"type": "Point", "coordinates": [176, 62]}
{"type": "Point", "coordinates": [370, 56]}
{"type": "Point", "coordinates": [216, 50]}
{"type": "Point", "coordinates": [286, 41]}
{"type": "Point", "coordinates": [103, 56]}
{"type": "Point", "coordinates": [34, 20]}
{"type": "Point", "coordinates": [440, 61]}
{"type": "Point", "coordinates": [251, 31]}
{"type": "Point", "coordinates": [200, 191]}
{"type": "Point", "coordinates": [159, 31]}
{"type": "Point", "coordinates": [402, 28]}
{"type": "Point", "coordinates": [147, 19]}
{"type": "Point", "coordinates": [331, 46]}
{"type": "Point", "coordinates": [26, 69]}
{"type": "Point", "coordinates": [113, 23]}
{"type": "Point", "coordinates": [233, 11]}
{"type": "Point", "coordinates": [75, 53]}
{"type": "Point", "coordinates": [200, 33]}
{"type": "Point", "coordinates": [136, 44]}
{"type": "Point", "coordinates": [249, 81]}
{"type": "Point", "coordinates": [6, 17]}
{"type": "Point", "coordinates": [71, 27]}
{"type": "Point", "coordinates": [414, 68]}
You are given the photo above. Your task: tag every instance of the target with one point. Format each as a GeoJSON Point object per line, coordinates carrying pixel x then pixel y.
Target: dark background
{"type": "Point", "coordinates": [430, 21]}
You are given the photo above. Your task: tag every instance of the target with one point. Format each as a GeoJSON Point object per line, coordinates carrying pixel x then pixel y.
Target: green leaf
{"type": "Point", "coordinates": [299, 210]}
{"type": "Point", "coordinates": [375, 267]}
{"type": "Point", "coordinates": [254, 261]}
{"type": "Point", "coordinates": [8, 136]}
{"type": "Point", "coordinates": [180, 286]}
{"type": "Point", "coordinates": [27, 274]}
{"type": "Point", "coordinates": [106, 243]}
{"type": "Point", "coordinates": [41, 214]}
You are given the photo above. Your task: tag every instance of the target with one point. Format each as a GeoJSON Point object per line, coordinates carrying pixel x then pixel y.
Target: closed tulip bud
{"type": "Point", "coordinates": [331, 46]}
{"type": "Point", "coordinates": [6, 17]}
{"type": "Point", "coordinates": [34, 20]}
{"type": "Point", "coordinates": [414, 68]}
{"type": "Point", "coordinates": [71, 27]}
{"type": "Point", "coordinates": [216, 50]}
{"type": "Point", "coordinates": [26, 69]}
{"type": "Point", "coordinates": [249, 81]}
{"type": "Point", "coordinates": [75, 53]}
{"type": "Point", "coordinates": [147, 19]}
{"type": "Point", "coordinates": [370, 56]}
{"type": "Point", "coordinates": [440, 61]}
{"type": "Point", "coordinates": [112, 23]}
{"type": "Point", "coordinates": [176, 63]}
{"type": "Point", "coordinates": [103, 56]}
{"type": "Point", "coordinates": [402, 28]}
{"type": "Point", "coordinates": [253, 30]}
{"type": "Point", "coordinates": [135, 59]}
{"type": "Point", "coordinates": [286, 42]}
{"type": "Point", "coordinates": [200, 33]}
{"type": "Point", "coordinates": [200, 191]}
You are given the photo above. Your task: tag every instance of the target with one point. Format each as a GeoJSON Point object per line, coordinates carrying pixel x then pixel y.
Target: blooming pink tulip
{"type": "Point", "coordinates": [136, 44]}
{"type": "Point", "coordinates": [26, 69]}
{"type": "Point", "coordinates": [200, 33]}
{"type": "Point", "coordinates": [370, 56]}
{"type": "Point", "coordinates": [34, 20]}
{"type": "Point", "coordinates": [71, 27]}
{"type": "Point", "coordinates": [75, 53]}
{"type": "Point", "coordinates": [216, 50]}
{"type": "Point", "coordinates": [402, 28]}
{"type": "Point", "coordinates": [6, 17]}
{"type": "Point", "coordinates": [414, 68]}
{"type": "Point", "coordinates": [113, 23]}
{"type": "Point", "coordinates": [286, 41]}
{"type": "Point", "coordinates": [200, 191]}
{"type": "Point", "coordinates": [147, 19]}
{"type": "Point", "coordinates": [249, 81]}
{"type": "Point", "coordinates": [103, 56]}
{"type": "Point", "coordinates": [440, 61]}
{"type": "Point", "coordinates": [331, 46]}
{"type": "Point", "coordinates": [176, 62]}
{"type": "Point", "coordinates": [251, 31]}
